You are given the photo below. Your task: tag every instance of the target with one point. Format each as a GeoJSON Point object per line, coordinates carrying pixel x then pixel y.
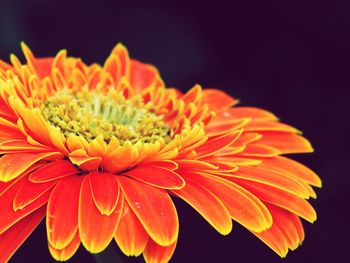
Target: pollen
{"type": "Point", "coordinates": [90, 113]}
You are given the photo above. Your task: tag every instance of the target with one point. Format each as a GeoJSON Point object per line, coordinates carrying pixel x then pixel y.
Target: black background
{"type": "Point", "coordinates": [290, 57]}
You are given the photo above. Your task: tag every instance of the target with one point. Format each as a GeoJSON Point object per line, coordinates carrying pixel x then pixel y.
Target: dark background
{"type": "Point", "coordinates": [290, 57]}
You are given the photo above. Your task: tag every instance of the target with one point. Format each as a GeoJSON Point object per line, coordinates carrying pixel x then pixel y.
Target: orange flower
{"type": "Point", "coordinates": [99, 150]}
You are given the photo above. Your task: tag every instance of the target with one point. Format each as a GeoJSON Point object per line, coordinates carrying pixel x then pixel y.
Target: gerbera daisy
{"type": "Point", "coordinates": [98, 151]}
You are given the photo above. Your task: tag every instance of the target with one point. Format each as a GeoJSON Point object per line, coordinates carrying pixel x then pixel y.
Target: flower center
{"type": "Point", "coordinates": [89, 113]}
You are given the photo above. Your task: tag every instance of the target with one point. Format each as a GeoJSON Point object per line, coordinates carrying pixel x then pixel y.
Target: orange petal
{"type": "Point", "coordinates": [286, 142]}
{"type": "Point", "coordinates": [274, 238]}
{"type": "Point", "coordinates": [8, 216]}
{"type": "Point", "coordinates": [287, 223]}
{"type": "Point", "coordinates": [130, 236]}
{"type": "Point", "coordinates": [244, 207]}
{"type": "Point", "coordinates": [14, 164]}
{"type": "Point", "coordinates": [242, 112]}
{"type": "Point", "coordinates": [166, 164]}
{"type": "Point", "coordinates": [272, 178]}
{"type": "Point", "coordinates": [154, 208]}
{"type": "Point", "coordinates": [293, 168]}
{"type": "Point", "coordinates": [217, 99]}
{"type": "Point", "coordinates": [43, 66]}
{"type": "Point", "coordinates": [217, 144]}
{"type": "Point", "coordinates": [122, 53]}
{"type": "Point", "coordinates": [269, 126]}
{"type": "Point", "coordinates": [142, 75]}
{"type": "Point", "coordinates": [192, 95]}
{"type": "Point", "coordinates": [67, 252]}
{"type": "Point", "coordinates": [62, 212]}
{"type": "Point", "coordinates": [219, 127]}
{"type": "Point", "coordinates": [16, 146]}
{"type": "Point", "coordinates": [208, 205]}
{"type": "Point", "coordinates": [35, 123]}
{"type": "Point", "coordinates": [86, 163]}
{"type": "Point", "coordinates": [14, 237]}
{"type": "Point", "coordinates": [280, 198]}
{"type": "Point", "coordinates": [157, 176]}
{"type": "Point", "coordinates": [259, 150]}
{"type": "Point", "coordinates": [29, 192]}
{"type": "Point", "coordinates": [155, 253]}
{"type": "Point", "coordinates": [188, 164]}
{"type": "Point", "coordinates": [105, 191]}
{"type": "Point", "coordinates": [53, 171]}
{"type": "Point", "coordinates": [95, 229]}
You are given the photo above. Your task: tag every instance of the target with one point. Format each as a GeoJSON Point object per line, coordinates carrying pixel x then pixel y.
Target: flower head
{"type": "Point", "coordinates": [98, 150]}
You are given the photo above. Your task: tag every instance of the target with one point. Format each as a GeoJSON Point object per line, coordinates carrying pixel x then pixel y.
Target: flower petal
{"type": "Point", "coordinates": [53, 171]}
{"type": "Point", "coordinates": [287, 223]}
{"type": "Point", "coordinates": [292, 168]}
{"type": "Point", "coordinates": [157, 176]}
{"type": "Point", "coordinates": [217, 144]}
{"type": "Point", "coordinates": [242, 112]}
{"type": "Point", "coordinates": [29, 192]}
{"type": "Point", "coordinates": [208, 205]}
{"type": "Point", "coordinates": [257, 126]}
{"type": "Point", "coordinates": [280, 198]}
{"type": "Point", "coordinates": [244, 207]}
{"type": "Point", "coordinates": [62, 212]}
{"type": "Point", "coordinates": [9, 217]}
{"type": "Point", "coordinates": [13, 238]}
{"type": "Point", "coordinates": [142, 75]}
{"type": "Point", "coordinates": [217, 99]}
{"type": "Point", "coordinates": [272, 178]}
{"type": "Point", "coordinates": [130, 236]}
{"type": "Point", "coordinates": [286, 142]}
{"type": "Point", "coordinates": [95, 229]}
{"type": "Point", "coordinates": [259, 150]}
{"type": "Point", "coordinates": [155, 253]}
{"type": "Point", "coordinates": [67, 252]}
{"type": "Point", "coordinates": [154, 208]}
{"type": "Point", "coordinates": [274, 238]}
{"type": "Point", "coordinates": [14, 164]}
{"type": "Point", "coordinates": [105, 191]}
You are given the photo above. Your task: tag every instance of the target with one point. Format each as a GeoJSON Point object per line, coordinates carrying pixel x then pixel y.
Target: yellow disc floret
{"type": "Point", "coordinates": [90, 113]}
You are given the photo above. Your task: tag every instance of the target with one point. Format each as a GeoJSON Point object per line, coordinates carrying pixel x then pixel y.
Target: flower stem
{"type": "Point", "coordinates": [109, 255]}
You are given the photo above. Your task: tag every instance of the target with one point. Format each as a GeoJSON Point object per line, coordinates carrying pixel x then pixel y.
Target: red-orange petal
{"type": "Point", "coordinates": [280, 198]}
{"type": "Point", "coordinates": [257, 126]}
{"type": "Point", "coordinates": [217, 99]}
{"type": "Point", "coordinates": [62, 212]}
{"type": "Point", "coordinates": [105, 191]}
{"type": "Point", "coordinates": [285, 221]}
{"type": "Point", "coordinates": [217, 144]}
{"type": "Point", "coordinates": [95, 229]}
{"type": "Point", "coordinates": [155, 253]}
{"type": "Point", "coordinates": [244, 207]}
{"type": "Point", "coordinates": [274, 238]}
{"type": "Point", "coordinates": [67, 252]}
{"type": "Point", "coordinates": [8, 216]}
{"type": "Point", "coordinates": [157, 176]}
{"type": "Point", "coordinates": [243, 112]}
{"type": "Point", "coordinates": [286, 142]}
{"type": "Point", "coordinates": [259, 150]}
{"type": "Point", "coordinates": [14, 237]}
{"type": "Point", "coordinates": [130, 236]}
{"type": "Point", "coordinates": [293, 168]}
{"type": "Point", "coordinates": [154, 208]}
{"type": "Point", "coordinates": [272, 178]}
{"type": "Point", "coordinates": [142, 75]}
{"type": "Point", "coordinates": [208, 205]}
{"type": "Point", "coordinates": [53, 171]}
{"type": "Point", "coordinates": [14, 164]}
{"type": "Point", "coordinates": [29, 192]}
